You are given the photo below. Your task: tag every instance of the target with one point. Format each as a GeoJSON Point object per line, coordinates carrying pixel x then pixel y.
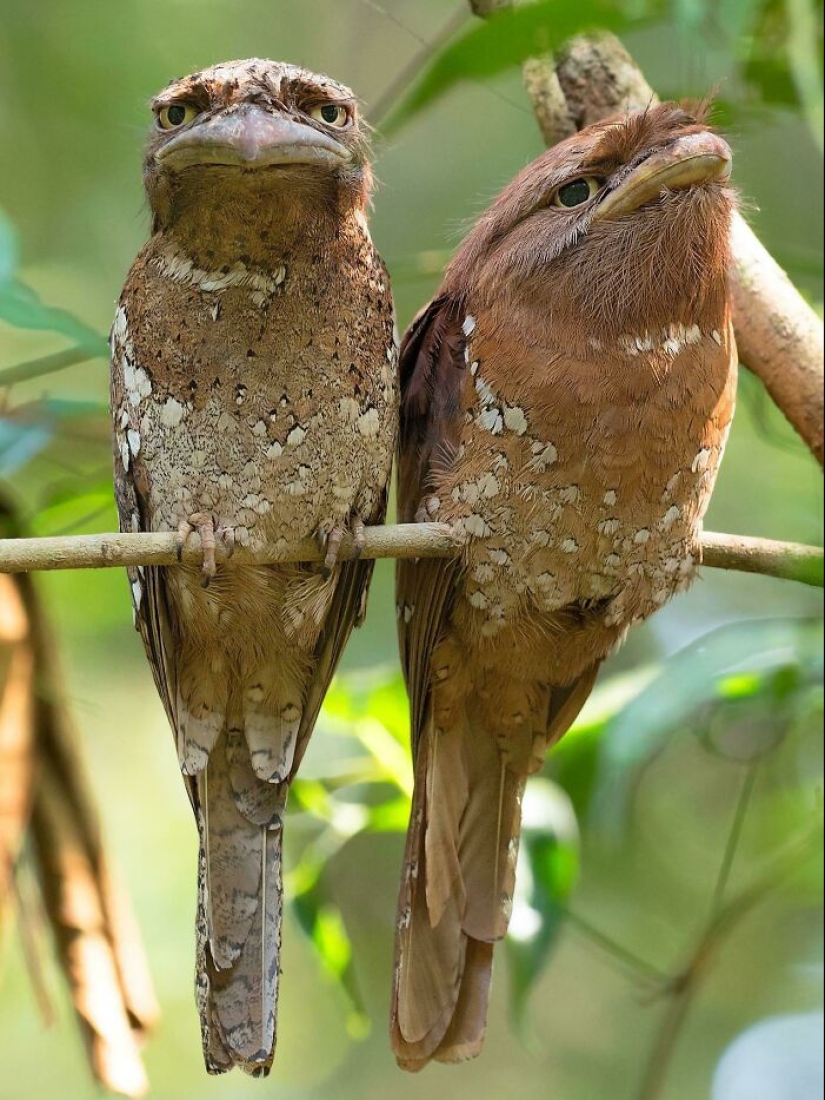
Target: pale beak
{"type": "Point", "coordinates": [690, 161]}
{"type": "Point", "coordinates": [252, 137]}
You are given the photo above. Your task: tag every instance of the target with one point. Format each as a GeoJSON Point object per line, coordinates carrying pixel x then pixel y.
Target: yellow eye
{"type": "Point", "coordinates": [175, 115]}
{"type": "Point", "coordinates": [331, 114]}
{"type": "Point", "coordinates": [577, 192]}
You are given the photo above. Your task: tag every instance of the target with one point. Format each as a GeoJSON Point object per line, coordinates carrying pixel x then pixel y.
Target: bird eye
{"type": "Point", "coordinates": [331, 114]}
{"type": "Point", "coordinates": [577, 192]}
{"type": "Point", "coordinates": [175, 115]}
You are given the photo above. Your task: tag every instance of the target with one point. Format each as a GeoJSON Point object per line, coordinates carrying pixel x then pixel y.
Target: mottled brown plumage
{"type": "Point", "coordinates": [565, 403]}
{"type": "Point", "coordinates": [254, 400]}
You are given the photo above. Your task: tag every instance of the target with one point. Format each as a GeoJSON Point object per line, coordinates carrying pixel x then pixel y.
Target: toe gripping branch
{"type": "Point", "coordinates": [205, 527]}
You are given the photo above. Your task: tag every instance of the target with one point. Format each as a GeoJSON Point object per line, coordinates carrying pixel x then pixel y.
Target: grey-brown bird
{"type": "Point", "coordinates": [254, 398]}
{"type": "Point", "coordinates": [565, 404]}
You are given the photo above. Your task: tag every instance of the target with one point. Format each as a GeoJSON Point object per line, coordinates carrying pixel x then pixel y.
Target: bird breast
{"type": "Point", "coordinates": [569, 495]}
{"type": "Point", "coordinates": [244, 395]}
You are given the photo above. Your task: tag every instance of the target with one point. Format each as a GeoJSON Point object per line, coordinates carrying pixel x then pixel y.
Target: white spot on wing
{"type": "Point", "coordinates": [671, 516]}
{"type": "Point", "coordinates": [702, 461]}
{"type": "Point", "coordinates": [369, 424]}
{"type": "Point", "coordinates": [515, 420]}
{"type": "Point", "coordinates": [172, 413]}
{"type": "Point", "coordinates": [491, 419]}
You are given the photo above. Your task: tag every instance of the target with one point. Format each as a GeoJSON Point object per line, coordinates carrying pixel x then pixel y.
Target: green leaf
{"type": "Point", "coordinates": [804, 50]}
{"type": "Point", "coordinates": [770, 79]}
{"type": "Point", "coordinates": [22, 308]}
{"type": "Point", "coordinates": [740, 687]}
{"type": "Point", "coordinates": [507, 39]}
{"type": "Point", "coordinates": [574, 763]}
{"type": "Point", "coordinates": [324, 926]}
{"type": "Point", "coordinates": [547, 872]}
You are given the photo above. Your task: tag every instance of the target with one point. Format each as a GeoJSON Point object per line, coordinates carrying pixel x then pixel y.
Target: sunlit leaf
{"type": "Point", "coordinates": [507, 39]}
{"type": "Point", "coordinates": [390, 817]}
{"type": "Point", "coordinates": [547, 872]}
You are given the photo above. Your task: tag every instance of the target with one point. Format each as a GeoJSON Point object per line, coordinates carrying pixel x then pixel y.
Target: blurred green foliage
{"type": "Point", "coordinates": [681, 820]}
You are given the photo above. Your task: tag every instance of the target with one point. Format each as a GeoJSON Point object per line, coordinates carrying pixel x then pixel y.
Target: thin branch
{"type": "Point", "coordinates": [686, 987]}
{"type": "Point", "coordinates": [629, 960]}
{"type": "Point", "coordinates": [48, 364]}
{"type": "Point", "coordinates": [410, 71]}
{"type": "Point", "coordinates": [735, 835]}
{"type": "Point", "coordinates": [423, 540]}
{"type": "Point", "coordinates": [412, 540]}
{"type": "Point", "coordinates": [789, 561]}
{"type": "Point", "coordinates": [779, 336]}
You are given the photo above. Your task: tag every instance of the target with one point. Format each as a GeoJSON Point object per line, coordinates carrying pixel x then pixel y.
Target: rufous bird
{"type": "Point", "coordinates": [254, 398]}
{"type": "Point", "coordinates": [566, 399]}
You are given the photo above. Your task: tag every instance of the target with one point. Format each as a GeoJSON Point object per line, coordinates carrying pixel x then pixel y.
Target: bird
{"type": "Point", "coordinates": [566, 398]}
{"type": "Point", "coordinates": [254, 397]}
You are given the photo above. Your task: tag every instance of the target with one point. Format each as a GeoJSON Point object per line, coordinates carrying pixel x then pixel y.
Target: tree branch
{"type": "Point", "coordinates": [788, 561]}
{"type": "Point", "coordinates": [48, 364]}
{"type": "Point", "coordinates": [780, 337]}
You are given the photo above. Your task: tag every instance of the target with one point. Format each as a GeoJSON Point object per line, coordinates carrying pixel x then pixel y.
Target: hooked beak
{"type": "Point", "coordinates": [689, 162]}
{"type": "Point", "coordinates": [251, 137]}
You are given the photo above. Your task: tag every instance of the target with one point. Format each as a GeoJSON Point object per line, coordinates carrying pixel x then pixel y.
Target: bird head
{"type": "Point", "coordinates": [242, 131]}
{"type": "Point", "coordinates": [621, 227]}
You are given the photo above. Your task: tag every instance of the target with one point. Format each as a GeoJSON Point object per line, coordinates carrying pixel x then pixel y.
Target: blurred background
{"type": "Point", "coordinates": [680, 819]}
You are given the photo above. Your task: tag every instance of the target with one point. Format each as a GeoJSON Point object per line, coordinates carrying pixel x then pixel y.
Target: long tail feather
{"type": "Point", "coordinates": [474, 754]}
{"type": "Point", "coordinates": [454, 899]}
{"type": "Point", "coordinates": [241, 898]}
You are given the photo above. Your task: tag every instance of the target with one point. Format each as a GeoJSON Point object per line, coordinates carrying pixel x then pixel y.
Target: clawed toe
{"type": "Point", "coordinates": [203, 525]}
{"type": "Point", "coordinates": [226, 535]}
{"type": "Point", "coordinates": [331, 544]}
{"type": "Point", "coordinates": [333, 549]}
{"type": "Point", "coordinates": [359, 537]}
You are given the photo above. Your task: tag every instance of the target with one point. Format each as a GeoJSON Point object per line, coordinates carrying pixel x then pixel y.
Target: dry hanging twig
{"type": "Point", "coordinates": [43, 799]}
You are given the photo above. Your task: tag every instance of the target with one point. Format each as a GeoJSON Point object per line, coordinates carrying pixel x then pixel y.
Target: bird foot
{"type": "Point", "coordinates": [427, 509]}
{"type": "Point", "coordinates": [204, 525]}
{"type": "Point", "coordinates": [331, 544]}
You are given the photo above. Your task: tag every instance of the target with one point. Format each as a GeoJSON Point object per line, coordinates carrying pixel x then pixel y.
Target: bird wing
{"type": "Point", "coordinates": [459, 870]}
{"type": "Point", "coordinates": [347, 610]}
{"type": "Point", "coordinates": [432, 368]}
{"type": "Point", "coordinates": [147, 584]}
